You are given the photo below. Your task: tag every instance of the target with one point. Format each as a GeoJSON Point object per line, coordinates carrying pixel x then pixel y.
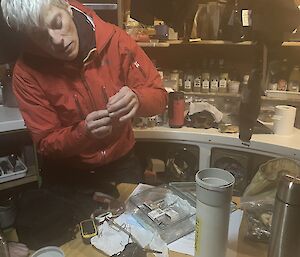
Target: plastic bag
{"type": "Point", "coordinates": [258, 198]}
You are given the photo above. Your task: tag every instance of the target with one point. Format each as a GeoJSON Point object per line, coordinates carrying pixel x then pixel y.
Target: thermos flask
{"type": "Point", "coordinates": [285, 232]}
{"type": "Point", "coordinates": [3, 246]}
{"type": "Point", "coordinates": [176, 109]}
{"type": "Point", "coordinates": [214, 191]}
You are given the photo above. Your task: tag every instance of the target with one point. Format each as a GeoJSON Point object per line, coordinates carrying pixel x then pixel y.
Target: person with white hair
{"type": "Point", "coordinates": [79, 82]}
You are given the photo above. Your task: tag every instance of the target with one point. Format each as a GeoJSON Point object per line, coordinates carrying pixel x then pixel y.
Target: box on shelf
{"type": "Point", "coordinates": [11, 168]}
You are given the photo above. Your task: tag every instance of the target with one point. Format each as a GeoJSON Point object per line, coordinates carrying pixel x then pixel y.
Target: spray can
{"type": "Point", "coordinates": [214, 191]}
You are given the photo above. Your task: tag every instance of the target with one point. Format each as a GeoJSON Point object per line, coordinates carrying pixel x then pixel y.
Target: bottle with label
{"type": "Point", "coordinates": [247, 14]}
{"type": "Point", "coordinates": [283, 76]}
{"type": "Point", "coordinates": [174, 76]}
{"type": "Point", "coordinates": [188, 81]}
{"type": "Point", "coordinates": [214, 78]}
{"type": "Point", "coordinates": [180, 80]}
{"type": "Point", "coordinates": [223, 77]}
{"type": "Point", "coordinates": [197, 81]}
{"type": "Point", "coordinates": [205, 76]}
{"type": "Point", "coordinates": [294, 79]}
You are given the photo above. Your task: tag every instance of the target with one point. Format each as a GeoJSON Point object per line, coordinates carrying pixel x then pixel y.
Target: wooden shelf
{"type": "Point", "coordinates": [31, 176]}
{"type": "Point", "coordinates": [290, 44]}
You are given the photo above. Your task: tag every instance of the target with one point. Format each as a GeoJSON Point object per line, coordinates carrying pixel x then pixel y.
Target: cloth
{"type": "Point", "coordinates": [202, 106]}
{"type": "Point", "coordinates": [50, 92]}
{"type": "Point", "coordinates": [264, 183]}
{"type": "Point", "coordinates": [111, 240]}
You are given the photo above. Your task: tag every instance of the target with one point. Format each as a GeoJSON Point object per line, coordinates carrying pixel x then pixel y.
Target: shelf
{"type": "Point", "coordinates": [10, 119]}
{"type": "Point", "coordinates": [267, 98]}
{"type": "Point", "coordinates": [290, 44]}
{"type": "Point", "coordinates": [213, 94]}
{"type": "Point", "coordinates": [194, 42]}
{"type": "Point", "coordinates": [31, 176]}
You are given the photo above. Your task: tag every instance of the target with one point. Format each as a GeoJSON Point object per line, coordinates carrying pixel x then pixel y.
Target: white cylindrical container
{"type": "Point", "coordinates": [214, 191]}
{"type": "Point", "coordinates": [284, 119]}
{"type": "Point", "coordinates": [49, 251]}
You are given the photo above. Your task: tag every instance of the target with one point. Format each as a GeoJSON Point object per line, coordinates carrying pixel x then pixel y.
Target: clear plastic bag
{"type": "Point", "coordinates": [258, 199]}
{"type": "Point", "coordinates": [259, 218]}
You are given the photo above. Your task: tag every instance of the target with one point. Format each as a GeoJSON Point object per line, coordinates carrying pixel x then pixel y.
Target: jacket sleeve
{"type": "Point", "coordinates": [41, 119]}
{"type": "Point", "coordinates": [142, 77]}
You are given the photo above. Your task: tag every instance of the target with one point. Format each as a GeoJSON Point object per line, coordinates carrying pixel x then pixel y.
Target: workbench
{"type": "Point", "coordinates": [76, 248]}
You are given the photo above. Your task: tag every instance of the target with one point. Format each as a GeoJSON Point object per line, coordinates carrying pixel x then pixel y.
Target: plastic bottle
{"type": "Point", "coordinates": [223, 77]}
{"type": "Point", "coordinates": [205, 76]}
{"type": "Point", "coordinates": [214, 77]}
{"type": "Point", "coordinates": [197, 82]}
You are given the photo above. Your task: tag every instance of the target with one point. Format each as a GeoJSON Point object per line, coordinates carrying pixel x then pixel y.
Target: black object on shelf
{"type": "Point", "coordinates": [10, 43]}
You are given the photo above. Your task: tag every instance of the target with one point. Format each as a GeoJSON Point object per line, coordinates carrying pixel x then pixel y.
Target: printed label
{"type": "Point", "coordinates": [223, 83]}
{"type": "Point", "coordinates": [205, 84]}
{"type": "Point", "coordinates": [187, 84]}
{"type": "Point", "coordinates": [198, 235]}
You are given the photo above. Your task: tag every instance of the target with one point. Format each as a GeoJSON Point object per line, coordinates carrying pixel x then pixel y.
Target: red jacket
{"type": "Point", "coordinates": [51, 92]}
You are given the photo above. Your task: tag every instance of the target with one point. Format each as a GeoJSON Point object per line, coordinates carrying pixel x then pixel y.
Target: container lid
{"type": "Point", "coordinates": [214, 186]}
{"type": "Point", "coordinates": [288, 190]}
{"type": "Point", "coordinates": [49, 251]}
{"type": "Point", "coordinates": [215, 179]}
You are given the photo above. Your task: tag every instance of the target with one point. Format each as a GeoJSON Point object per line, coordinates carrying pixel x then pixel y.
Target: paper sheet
{"type": "Point", "coordinates": [186, 244]}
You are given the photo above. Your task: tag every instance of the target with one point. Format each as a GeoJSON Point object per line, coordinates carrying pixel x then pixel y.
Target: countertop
{"type": "Point", "coordinates": [269, 143]}
{"type": "Point", "coordinates": [11, 119]}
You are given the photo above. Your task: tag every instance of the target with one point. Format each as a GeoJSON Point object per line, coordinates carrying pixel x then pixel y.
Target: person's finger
{"type": "Point", "coordinates": [124, 110]}
{"type": "Point", "coordinates": [130, 114]}
{"type": "Point", "coordinates": [116, 107]}
{"type": "Point", "coordinates": [97, 115]}
{"type": "Point", "coordinates": [119, 96]}
{"type": "Point", "coordinates": [92, 125]}
{"type": "Point", "coordinates": [102, 131]}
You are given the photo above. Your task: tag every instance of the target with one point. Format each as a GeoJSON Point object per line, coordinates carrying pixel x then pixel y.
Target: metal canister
{"type": "Point", "coordinates": [285, 232]}
{"type": "Point", "coordinates": [4, 252]}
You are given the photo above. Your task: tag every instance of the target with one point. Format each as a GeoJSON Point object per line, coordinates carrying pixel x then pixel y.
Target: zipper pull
{"type": "Point", "coordinates": [79, 107]}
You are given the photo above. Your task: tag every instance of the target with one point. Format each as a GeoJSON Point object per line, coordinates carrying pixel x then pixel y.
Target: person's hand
{"type": "Point", "coordinates": [98, 124]}
{"type": "Point", "coordinates": [17, 249]}
{"type": "Point", "coordinates": [123, 104]}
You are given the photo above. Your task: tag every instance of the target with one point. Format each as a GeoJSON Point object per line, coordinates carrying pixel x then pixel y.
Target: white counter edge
{"type": "Point", "coordinates": [288, 146]}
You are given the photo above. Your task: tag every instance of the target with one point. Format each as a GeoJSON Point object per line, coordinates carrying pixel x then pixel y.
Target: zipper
{"type": "Point", "coordinates": [78, 107]}
{"type": "Point", "coordinates": [88, 89]}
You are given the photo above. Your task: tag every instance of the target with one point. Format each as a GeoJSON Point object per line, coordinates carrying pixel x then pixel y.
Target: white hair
{"type": "Point", "coordinates": [24, 15]}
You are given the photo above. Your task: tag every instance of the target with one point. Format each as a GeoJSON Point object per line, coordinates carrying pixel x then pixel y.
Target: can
{"type": "Point", "coordinates": [213, 191]}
